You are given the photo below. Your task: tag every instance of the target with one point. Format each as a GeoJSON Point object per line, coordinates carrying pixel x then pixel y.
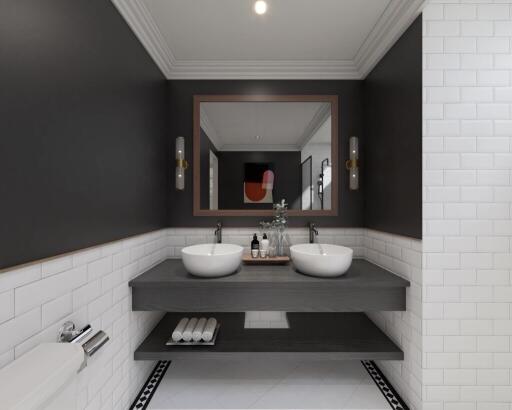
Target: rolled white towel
{"type": "Point", "coordinates": [197, 334]}
{"type": "Point", "coordinates": [209, 329]}
{"type": "Point", "coordinates": [177, 334]}
{"type": "Point", "coordinates": [187, 333]}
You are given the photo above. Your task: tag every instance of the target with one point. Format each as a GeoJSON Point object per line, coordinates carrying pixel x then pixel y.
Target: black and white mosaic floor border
{"type": "Point", "coordinates": [384, 386]}
{"type": "Point", "coordinates": [142, 400]}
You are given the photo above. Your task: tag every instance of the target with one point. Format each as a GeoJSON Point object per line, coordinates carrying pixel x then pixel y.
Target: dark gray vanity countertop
{"type": "Point", "coordinates": [361, 274]}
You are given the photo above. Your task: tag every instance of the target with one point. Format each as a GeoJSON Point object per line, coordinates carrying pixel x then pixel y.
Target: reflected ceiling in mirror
{"type": "Point", "coordinates": [253, 151]}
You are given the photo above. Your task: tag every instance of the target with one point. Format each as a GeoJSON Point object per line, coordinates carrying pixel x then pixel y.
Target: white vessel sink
{"type": "Point", "coordinates": [212, 260]}
{"type": "Point", "coordinates": [322, 260]}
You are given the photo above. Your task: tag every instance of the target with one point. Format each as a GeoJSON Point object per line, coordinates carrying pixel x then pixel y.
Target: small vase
{"type": "Point", "coordinates": [279, 243]}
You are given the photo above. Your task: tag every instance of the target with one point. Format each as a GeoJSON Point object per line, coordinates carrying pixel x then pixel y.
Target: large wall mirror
{"type": "Point", "coordinates": [252, 151]}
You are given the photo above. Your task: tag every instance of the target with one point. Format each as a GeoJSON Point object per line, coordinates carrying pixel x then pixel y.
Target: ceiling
{"type": "Point", "coordinates": [264, 126]}
{"type": "Point", "coordinates": [299, 39]}
{"type": "Point", "coordinates": [291, 30]}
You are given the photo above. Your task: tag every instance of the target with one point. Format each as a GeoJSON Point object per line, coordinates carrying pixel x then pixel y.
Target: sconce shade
{"type": "Point", "coordinates": [181, 163]}
{"type": "Point", "coordinates": [352, 164]}
{"type": "Point", "coordinates": [354, 179]}
{"type": "Point", "coordinates": [180, 178]}
{"type": "Point", "coordinates": [354, 148]}
{"type": "Point", "coordinates": [180, 148]}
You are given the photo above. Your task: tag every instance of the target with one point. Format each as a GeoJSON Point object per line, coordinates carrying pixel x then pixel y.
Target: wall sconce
{"type": "Point", "coordinates": [352, 164]}
{"type": "Point", "coordinates": [181, 163]}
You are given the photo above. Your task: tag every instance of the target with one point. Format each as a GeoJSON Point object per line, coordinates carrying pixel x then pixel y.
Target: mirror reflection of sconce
{"type": "Point", "coordinates": [352, 164]}
{"type": "Point", "coordinates": [181, 163]}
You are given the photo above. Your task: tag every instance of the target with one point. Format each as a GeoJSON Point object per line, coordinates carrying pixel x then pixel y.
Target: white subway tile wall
{"type": "Point", "coordinates": [402, 256]}
{"type": "Point", "coordinates": [181, 237]}
{"type": "Point", "coordinates": [89, 286]}
{"type": "Point", "coordinates": [466, 279]}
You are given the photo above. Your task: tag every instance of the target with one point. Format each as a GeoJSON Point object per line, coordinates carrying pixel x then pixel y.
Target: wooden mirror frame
{"type": "Point", "coordinates": [198, 99]}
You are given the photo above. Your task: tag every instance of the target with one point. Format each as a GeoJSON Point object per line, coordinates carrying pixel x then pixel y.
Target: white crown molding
{"type": "Point", "coordinates": [397, 17]}
{"type": "Point", "coordinates": [261, 69]}
{"type": "Point", "coordinates": [393, 22]}
{"type": "Point", "coordinates": [141, 22]}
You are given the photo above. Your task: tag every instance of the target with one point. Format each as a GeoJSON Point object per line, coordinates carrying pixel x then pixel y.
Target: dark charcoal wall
{"type": "Point", "coordinates": [231, 177]}
{"type": "Point", "coordinates": [392, 157]}
{"type": "Point", "coordinates": [83, 141]}
{"type": "Point", "coordinates": [350, 211]}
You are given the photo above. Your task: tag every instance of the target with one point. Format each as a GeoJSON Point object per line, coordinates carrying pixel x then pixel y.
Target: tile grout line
{"type": "Point", "coordinates": [268, 390]}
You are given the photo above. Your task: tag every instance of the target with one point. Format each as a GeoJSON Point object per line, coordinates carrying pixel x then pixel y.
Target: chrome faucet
{"type": "Point", "coordinates": [218, 232]}
{"type": "Point", "coordinates": [312, 232]}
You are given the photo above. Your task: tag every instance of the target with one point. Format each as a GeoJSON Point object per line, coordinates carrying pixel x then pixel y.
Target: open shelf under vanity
{"type": "Point", "coordinates": [330, 336]}
{"type": "Point", "coordinates": [326, 316]}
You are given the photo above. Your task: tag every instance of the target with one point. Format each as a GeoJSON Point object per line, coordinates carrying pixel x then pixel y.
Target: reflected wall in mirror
{"type": "Point", "coordinates": [252, 151]}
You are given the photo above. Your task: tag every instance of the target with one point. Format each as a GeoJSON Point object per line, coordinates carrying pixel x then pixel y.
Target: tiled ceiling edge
{"type": "Point", "coordinates": [397, 17]}
{"type": "Point", "coordinates": [393, 22]}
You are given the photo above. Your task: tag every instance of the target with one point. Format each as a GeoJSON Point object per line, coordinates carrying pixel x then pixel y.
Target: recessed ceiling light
{"type": "Point", "coordinates": [260, 7]}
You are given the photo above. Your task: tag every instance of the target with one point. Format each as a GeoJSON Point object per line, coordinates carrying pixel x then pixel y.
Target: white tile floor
{"type": "Point", "coordinates": [277, 384]}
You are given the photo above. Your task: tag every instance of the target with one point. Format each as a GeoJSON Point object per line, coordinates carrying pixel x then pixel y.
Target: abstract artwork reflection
{"type": "Point", "coordinates": [258, 183]}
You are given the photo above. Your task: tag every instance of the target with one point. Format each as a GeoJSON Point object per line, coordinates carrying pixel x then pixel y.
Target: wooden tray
{"type": "Point", "coordinates": [276, 260]}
